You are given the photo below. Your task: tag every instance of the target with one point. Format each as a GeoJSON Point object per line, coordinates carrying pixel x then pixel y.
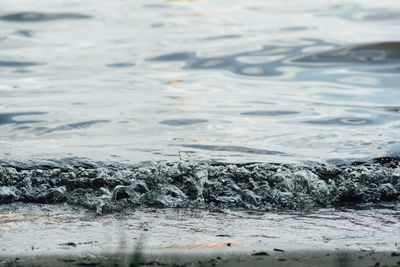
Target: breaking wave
{"type": "Point", "coordinates": [190, 184]}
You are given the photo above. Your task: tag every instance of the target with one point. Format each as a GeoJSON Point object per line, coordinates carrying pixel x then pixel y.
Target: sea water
{"type": "Point", "coordinates": [207, 104]}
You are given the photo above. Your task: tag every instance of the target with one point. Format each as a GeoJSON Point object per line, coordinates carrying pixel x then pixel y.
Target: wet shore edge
{"type": "Point", "coordinates": [109, 188]}
{"type": "Point", "coordinates": [61, 235]}
{"type": "Point", "coordinates": [197, 214]}
{"type": "Point", "coordinates": [337, 258]}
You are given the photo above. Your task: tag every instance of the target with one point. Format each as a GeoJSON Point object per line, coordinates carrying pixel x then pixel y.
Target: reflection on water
{"type": "Point", "coordinates": [387, 52]}
{"type": "Point", "coordinates": [270, 113]}
{"type": "Point", "coordinates": [392, 109]}
{"type": "Point", "coordinates": [278, 57]}
{"type": "Point", "coordinates": [40, 17]}
{"type": "Point", "coordinates": [120, 65]}
{"type": "Point", "coordinates": [378, 16]}
{"type": "Point", "coordinates": [24, 33]}
{"type": "Point", "coordinates": [72, 126]}
{"type": "Point", "coordinates": [7, 118]}
{"type": "Point", "coordinates": [339, 121]}
{"type": "Point", "coordinates": [133, 81]}
{"type": "Point", "coordinates": [234, 149]}
{"type": "Point", "coordinates": [182, 122]}
{"type": "Point", "coordinates": [230, 62]}
{"type": "Point", "coordinates": [228, 36]}
{"type": "Point", "coordinates": [17, 64]}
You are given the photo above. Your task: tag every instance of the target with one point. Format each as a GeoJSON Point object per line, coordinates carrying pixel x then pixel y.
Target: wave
{"type": "Point", "coordinates": [271, 60]}
{"type": "Point", "coordinates": [384, 52]}
{"type": "Point", "coordinates": [205, 185]}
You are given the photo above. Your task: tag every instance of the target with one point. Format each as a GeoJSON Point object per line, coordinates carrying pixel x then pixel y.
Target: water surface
{"type": "Point", "coordinates": [228, 81]}
{"type": "Point", "coordinates": [310, 86]}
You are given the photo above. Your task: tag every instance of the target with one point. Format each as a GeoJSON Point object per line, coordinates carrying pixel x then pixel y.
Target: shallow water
{"type": "Point", "coordinates": [312, 87]}
{"type": "Point", "coordinates": [33, 230]}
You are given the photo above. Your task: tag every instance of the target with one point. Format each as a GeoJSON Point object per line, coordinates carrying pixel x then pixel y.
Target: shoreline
{"type": "Point", "coordinates": [205, 257]}
{"type": "Point", "coordinates": [191, 184]}
{"type": "Point", "coordinates": [61, 235]}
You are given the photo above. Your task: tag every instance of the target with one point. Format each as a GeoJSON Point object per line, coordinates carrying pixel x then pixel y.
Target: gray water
{"type": "Point", "coordinates": [200, 82]}
{"type": "Point", "coordinates": [185, 184]}
{"type": "Point", "coordinates": [132, 81]}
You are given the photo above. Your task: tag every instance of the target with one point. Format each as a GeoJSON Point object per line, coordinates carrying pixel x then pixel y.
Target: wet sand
{"type": "Point", "coordinates": [59, 235]}
{"type": "Point", "coordinates": [207, 258]}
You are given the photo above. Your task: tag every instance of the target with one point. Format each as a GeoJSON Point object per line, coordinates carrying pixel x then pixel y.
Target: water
{"type": "Point", "coordinates": [263, 187]}
{"type": "Point", "coordinates": [238, 82]}
{"type": "Point", "coordinates": [201, 233]}
{"type": "Point", "coordinates": [305, 85]}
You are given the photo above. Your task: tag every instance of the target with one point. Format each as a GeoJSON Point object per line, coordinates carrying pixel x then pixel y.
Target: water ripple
{"type": "Point", "coordinates": [41, 17]}
{"type": "Point", "coordinates": [240, 149]}
{"type": "Point", "coordinates": [8, 118]}
{"type": "Point", "coordinates": [278, 57]}
{"type": "Point", "coordinates": [182, 122]}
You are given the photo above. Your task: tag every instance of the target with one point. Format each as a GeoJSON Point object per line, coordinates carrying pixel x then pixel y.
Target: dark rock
{"type": "Point", "coordinates": [261, 253]}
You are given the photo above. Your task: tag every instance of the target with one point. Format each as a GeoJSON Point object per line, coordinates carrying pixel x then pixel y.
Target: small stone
{"type": "Point", "coordinates": [71, 244]}
{"type": "Point", "coordinates": [260, 253]}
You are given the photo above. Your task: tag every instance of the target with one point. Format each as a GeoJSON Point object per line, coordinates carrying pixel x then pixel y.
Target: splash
{"type": "Point", "coordinates": [190, 184]}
